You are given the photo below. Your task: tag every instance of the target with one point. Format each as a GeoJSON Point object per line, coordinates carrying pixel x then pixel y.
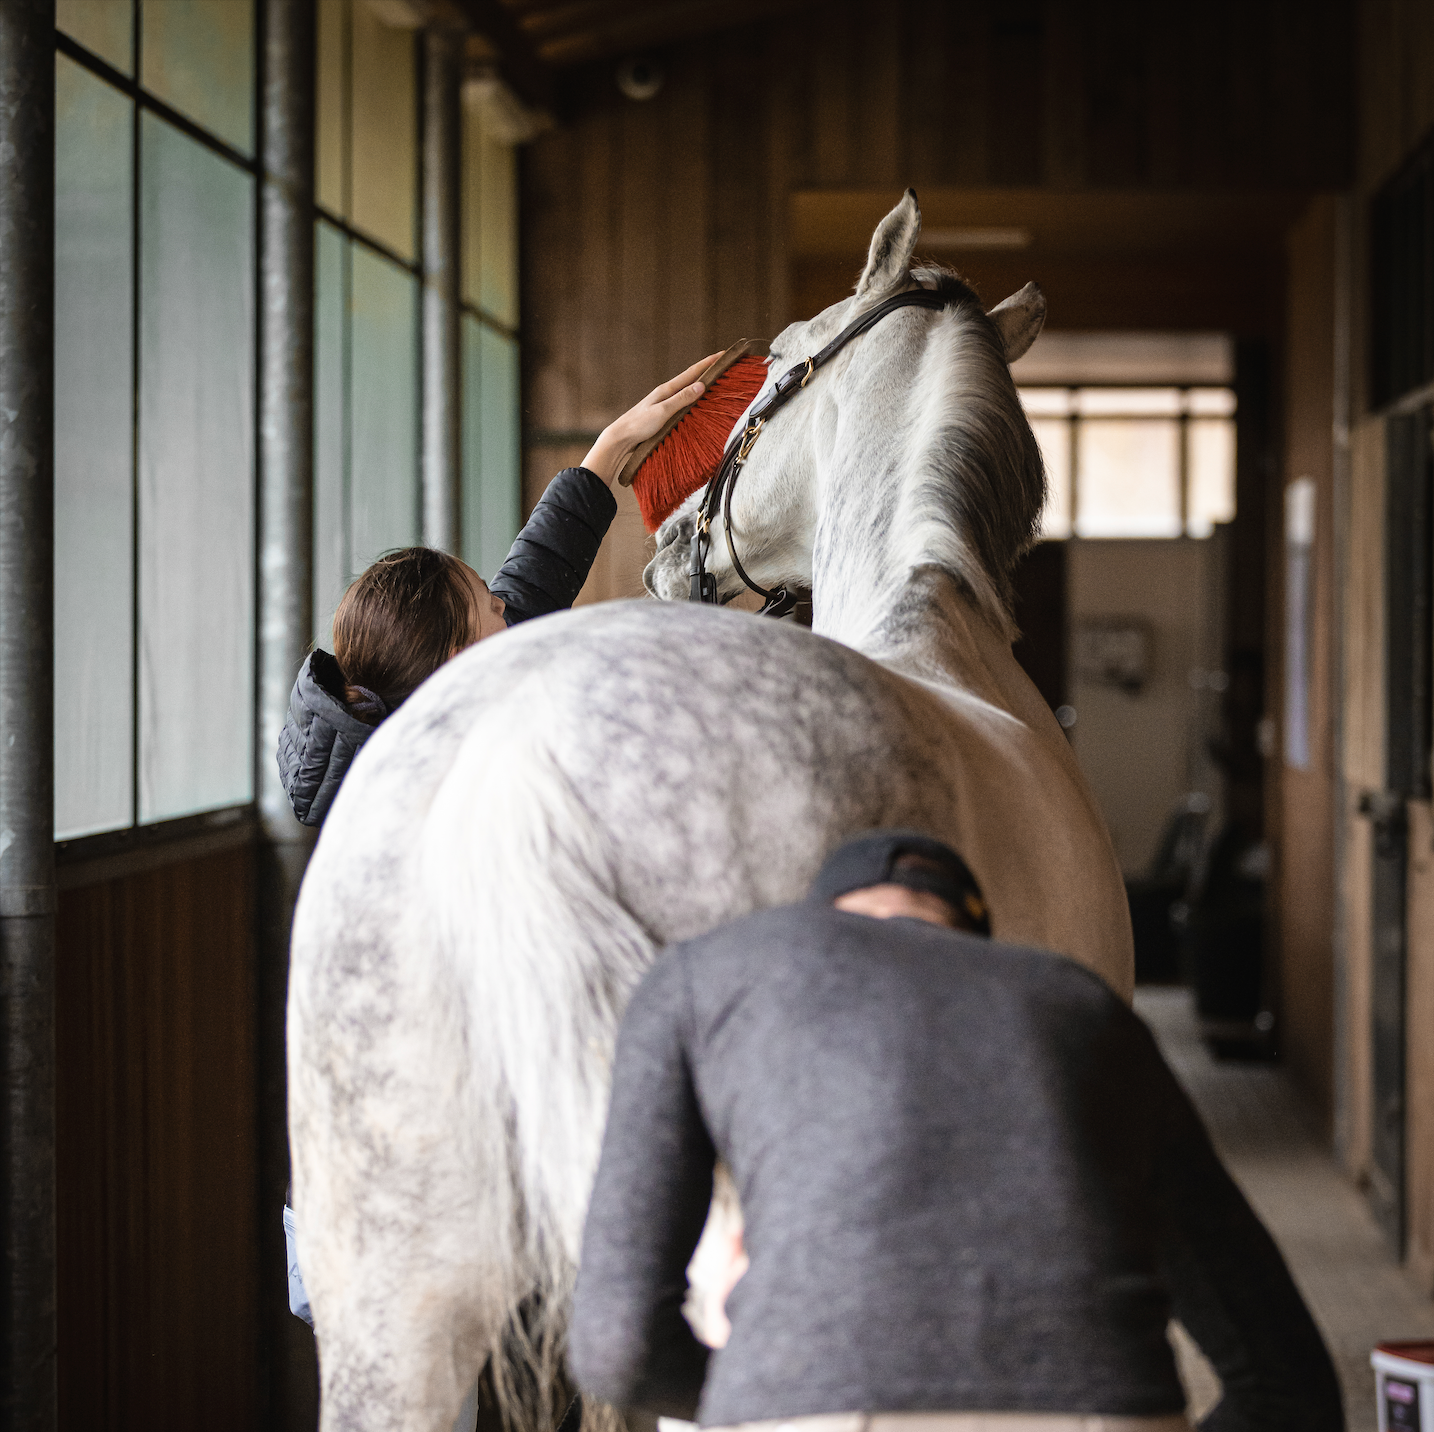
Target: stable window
{"type": "Point", "coordinates": [368, 311]}
{"type": "Point", "coordinates": [492, 473]}
{"type": "Point", "coordinates": [1135, 461]}
{"type": "Point", "coordinates": [367, 299]}
{"type": "Point", "coordinates": [155, 322]}
{"type": "Point", "coordinates": [154, 411]}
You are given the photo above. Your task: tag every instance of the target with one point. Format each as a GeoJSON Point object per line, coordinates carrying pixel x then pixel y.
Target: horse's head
{"type": "Point", "coordinates": [920, 402]}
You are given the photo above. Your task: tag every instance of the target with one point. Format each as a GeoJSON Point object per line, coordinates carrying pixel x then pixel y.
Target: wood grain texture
{"type": "Point", "coordinates": [1363, 758]}
{"type": "Point", "coordinates": [1419, 1014]}
{"type": "Point", "coordinates": [1397, 84]}
{"type": "Point", "coordinates": [1396, 112]}
{"type": "Point", "coordinates": [1303, 832]}
{"type": "Point", "coordinates": [157, 1142]}
{"type": "Point", "coordinates": [657, 231]}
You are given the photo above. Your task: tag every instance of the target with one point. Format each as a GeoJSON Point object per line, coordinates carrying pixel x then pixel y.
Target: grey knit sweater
{"type": "Point", "coordinates": [969, 1181]}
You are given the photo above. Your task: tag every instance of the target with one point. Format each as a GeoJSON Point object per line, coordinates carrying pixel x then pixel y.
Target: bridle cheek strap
{"type": "Point", "coordinates": [778, 601]}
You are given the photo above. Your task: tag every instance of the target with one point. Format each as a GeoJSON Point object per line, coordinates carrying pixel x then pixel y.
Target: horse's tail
{"type": "Point", "coordinates": [520, 898]}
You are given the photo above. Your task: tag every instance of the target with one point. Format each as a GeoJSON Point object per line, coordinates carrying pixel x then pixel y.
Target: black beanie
{"type": "Point", "coordinates": [871, 859]}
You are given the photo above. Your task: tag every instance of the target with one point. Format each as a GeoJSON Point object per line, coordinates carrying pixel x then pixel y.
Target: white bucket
{"type": "Point", "coordinates": [1404, 1386]}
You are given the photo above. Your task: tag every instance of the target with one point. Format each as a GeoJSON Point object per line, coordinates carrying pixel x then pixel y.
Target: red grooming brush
{"type": "Point", "coordinates": [667, 469]}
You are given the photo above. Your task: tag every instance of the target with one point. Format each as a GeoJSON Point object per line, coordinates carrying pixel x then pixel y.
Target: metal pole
{"type": "Point", "coordinates": [286, 604]}
{"type": "Point", "coordinates": [27, 572]}
{"type": "Point", "coordinates": [442, 259]}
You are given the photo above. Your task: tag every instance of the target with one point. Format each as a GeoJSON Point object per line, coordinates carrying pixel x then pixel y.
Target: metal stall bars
{"type": "Point", "coordinates": [286, 602]}
{"type": "Point", "coordinates": [27, 852]}
{"type": "Point", "coordinates": [442, 256]}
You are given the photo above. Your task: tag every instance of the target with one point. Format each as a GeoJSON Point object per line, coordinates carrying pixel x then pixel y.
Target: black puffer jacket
{"type": "Point", "coordinates": [544, 572]}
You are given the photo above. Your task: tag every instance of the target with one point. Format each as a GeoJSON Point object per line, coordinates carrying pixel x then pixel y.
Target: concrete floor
{"type": "Point", "coordinates": [1357, 1293]}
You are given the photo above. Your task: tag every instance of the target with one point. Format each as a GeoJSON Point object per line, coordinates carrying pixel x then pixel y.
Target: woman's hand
{"type": "Point", "coordinates": [617, 442]}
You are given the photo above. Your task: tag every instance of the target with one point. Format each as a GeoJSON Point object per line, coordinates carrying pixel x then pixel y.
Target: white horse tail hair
{"type": "Point", "coordinates": [521, 899]}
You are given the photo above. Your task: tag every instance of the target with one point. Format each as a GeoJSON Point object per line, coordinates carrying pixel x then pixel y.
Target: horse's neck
{"type": "Point", "coordinates": [928, 629]}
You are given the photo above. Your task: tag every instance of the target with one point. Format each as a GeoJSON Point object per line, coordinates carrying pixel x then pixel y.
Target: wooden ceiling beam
{"type": "Point", "coordinates": [577, 32]}
{"type": "Point", "coordinates": [525, 71]}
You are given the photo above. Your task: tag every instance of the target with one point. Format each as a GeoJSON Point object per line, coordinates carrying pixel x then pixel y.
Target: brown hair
{"type": "Point", "coordinates": [398, 623]}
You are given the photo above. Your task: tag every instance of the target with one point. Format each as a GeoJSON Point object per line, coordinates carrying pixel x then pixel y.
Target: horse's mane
{"type": "Point", "coordinates": [974, 505]}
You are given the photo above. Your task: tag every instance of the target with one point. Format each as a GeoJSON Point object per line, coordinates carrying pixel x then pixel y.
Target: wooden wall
{"type": "Point", "coordinates": [1304, 799]}
{"type": "Point", "coordinates": [656, 232]}
{"type": "Point", "coordinates": [1396, 111]}
{"type": "Point", "coordinates": [1396, 85]}
{"type": "Point", "coordinates": [157, 1181]}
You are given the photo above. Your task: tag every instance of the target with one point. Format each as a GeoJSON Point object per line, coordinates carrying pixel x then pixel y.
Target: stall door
{"type": "Point", "coordinates": [1407, 743]}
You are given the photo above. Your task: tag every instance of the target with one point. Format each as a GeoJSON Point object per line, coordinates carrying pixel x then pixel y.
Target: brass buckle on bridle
{"type": "Point", "coordinates": [748, 438]}
{"type": "Point", "coordinates": [810, 373]}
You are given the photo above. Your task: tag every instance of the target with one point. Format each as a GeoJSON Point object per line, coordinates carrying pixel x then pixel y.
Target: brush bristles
{"type": "Point", "coordinates": [688, 456]}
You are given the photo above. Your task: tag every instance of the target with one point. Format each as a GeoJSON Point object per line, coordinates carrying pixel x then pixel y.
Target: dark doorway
{"type": "Point", "coordinates": [1040, 583]}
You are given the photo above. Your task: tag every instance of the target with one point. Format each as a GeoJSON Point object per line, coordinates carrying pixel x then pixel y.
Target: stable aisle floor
{"type": "Point", "coordinates": [1356, 1291]}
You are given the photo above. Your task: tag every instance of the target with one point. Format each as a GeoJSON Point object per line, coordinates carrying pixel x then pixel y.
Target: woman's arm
{"type": "Point", "coordinates": [629, 1343]}
{"type": "Point", "coordinates": [555, 551]}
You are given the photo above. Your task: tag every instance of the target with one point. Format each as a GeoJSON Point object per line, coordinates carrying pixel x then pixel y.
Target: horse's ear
{"type": "Point", "coordinates": [1019, 320]}
{"type": "Point", "coordinates": [888, 261]}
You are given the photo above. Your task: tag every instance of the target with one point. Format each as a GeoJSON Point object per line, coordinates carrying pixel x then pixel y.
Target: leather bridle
{"type": "Point", "coordinates": [778, 601]}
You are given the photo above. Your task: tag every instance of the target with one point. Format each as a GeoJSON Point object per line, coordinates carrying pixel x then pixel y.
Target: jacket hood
{"type": "Point", "coordinates": [320, 739]}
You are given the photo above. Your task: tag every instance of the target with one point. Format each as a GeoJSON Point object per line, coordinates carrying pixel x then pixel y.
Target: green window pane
{"type": "Point", "coordinates": [490, 220]}
{"type": "Point", "coordinates": [492, 474]}
{"type": "Point", "coordinates": [196, 477]}
{"type": "Point", "coordinates": [331, 559]}
{"type": "Point", "coordinates": [383, 446]}
{"type": "Point", "coordinates": [198, 55]}
{"type": "Point", "coordinates": [94, 584]}
{"type": "Point", "coordinates": [104, 27]}
{"type": "Point", "coordinates": [383, 163]}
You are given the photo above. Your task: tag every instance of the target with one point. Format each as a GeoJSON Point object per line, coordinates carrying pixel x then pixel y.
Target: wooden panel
{"type": "Point", "coordinates": [1397, 84]}
{"type": "Point", "coordinates": [1363, 770]}
{"type": "Point", "coordinates": [155, 1111]}
{"type": "Point", "coordinates": [686, 196]}
{"type": "Point", "coordinates": [1303, 834]}
{"type": "Point", "coordinates": [658, 230]}
{"type": "Point", "coordinates": [1419, 1010]}
{"type": "Point", "coordinates": [1095, 292]}
{"type": "Point", "coordinates": [594, 222]}
{"type": "Point", "coordinates": [551, 279]}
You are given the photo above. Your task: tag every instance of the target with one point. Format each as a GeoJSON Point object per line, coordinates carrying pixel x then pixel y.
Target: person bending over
{"type": "Point", "coordinates": [970, 1185]}
{"type": "Point", "coordinates": [414, 609]}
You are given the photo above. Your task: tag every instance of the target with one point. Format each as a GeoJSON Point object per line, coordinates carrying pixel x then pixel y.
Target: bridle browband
{"type": "Point", "coordinates": [778, 601]}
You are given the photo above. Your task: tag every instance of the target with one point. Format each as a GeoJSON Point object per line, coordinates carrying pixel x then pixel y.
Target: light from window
{"type": "Point", "coordinates": [1134, 461]}
{"type": "Point", "coordinates": [1129, 472]}
{"type": "Point", "coordinates": [1212, 474]}
{"type": "Point", "coordinates": [1054, 437]}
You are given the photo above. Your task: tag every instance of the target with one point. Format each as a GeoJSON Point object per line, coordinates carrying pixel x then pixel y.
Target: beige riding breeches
{"type": "Point", "coordinates": [962, 1422]}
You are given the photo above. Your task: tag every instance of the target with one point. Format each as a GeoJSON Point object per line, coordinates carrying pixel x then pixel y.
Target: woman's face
{"type": "Point", "coordinates": [487, 609]}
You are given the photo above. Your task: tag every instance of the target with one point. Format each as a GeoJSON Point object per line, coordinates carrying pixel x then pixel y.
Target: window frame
{"type": "Point", "coordinates": [145, 101]}
{"type": "Point", "coordinates": [1073, 418]}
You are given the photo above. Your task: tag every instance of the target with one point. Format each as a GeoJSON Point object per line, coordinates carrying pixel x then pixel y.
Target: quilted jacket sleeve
{"type": "Point", "coordinates": [554, 552]}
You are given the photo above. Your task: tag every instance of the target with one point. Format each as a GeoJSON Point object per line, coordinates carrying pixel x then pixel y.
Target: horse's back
{"type": "Point", "coordinates": [705, 761]}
